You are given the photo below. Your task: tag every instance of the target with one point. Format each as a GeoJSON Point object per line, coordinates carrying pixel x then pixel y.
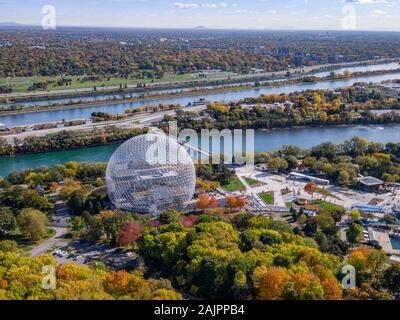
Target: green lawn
{"type": "Point", "coordinates": [234, 185]}
{"type": "Point", "coordinates": [20, 84]}
{"type": "Point", "coordinates": [328, 206]}
{"type": "Point", "coordinates": [253, 182]}
{"type": "Point", "coordinates": [267, 197]}
{"type": "Point", "coordinates": [289, 204]}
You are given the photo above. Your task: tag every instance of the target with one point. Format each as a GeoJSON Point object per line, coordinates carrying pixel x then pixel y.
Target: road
{"type": "Point", "coordinates": [60, 220]}
{"type": "Point", "coordinates": [137, 121]}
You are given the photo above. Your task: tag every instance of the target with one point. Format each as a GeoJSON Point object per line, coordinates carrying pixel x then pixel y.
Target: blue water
{"type": "Point", "coordinates": [395, 244]}
{"type": "Point", "coordinates": [373, 67]}
{"type": "Point", "coordinates": [263, 141]}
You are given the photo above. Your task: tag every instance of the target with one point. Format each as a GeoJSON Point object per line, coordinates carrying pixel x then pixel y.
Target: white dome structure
{"type": "Point", "coordinates": [150, 173]}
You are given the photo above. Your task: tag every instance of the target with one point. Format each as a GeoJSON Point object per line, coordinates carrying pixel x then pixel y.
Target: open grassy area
{"type": "Point", "coordinates": [268, 197]}
{"type": "Point", "coordinates": [234, 185]}
{"type": "Point", "coordinates": [22, 84]}
{"type": "Point", "coordinates": [253, 182]}
{"type": "Point", "coordinates": [328, 206]}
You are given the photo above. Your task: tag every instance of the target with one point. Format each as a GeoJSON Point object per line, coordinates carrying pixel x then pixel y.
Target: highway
{"type": "Point", "coordinates": [137, 121]}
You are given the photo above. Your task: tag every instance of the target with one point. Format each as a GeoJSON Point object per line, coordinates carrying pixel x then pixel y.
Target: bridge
{"type": "Point", "coordinates": [194, 151]}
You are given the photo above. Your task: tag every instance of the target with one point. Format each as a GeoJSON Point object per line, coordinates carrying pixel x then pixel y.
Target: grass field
{"type": "Point", "coordinates": [22, 84]}
{"type": "Point", "coordinates": [253, 182]}
{"type": "Point", "coordinates": [234, 185]}
{"type": "Point", "coordinates": [328, 206]}
{"type": "Point", "coordinates": [268, 197]}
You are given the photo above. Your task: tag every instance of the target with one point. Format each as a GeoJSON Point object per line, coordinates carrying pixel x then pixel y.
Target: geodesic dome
{"type": "Point", "coordinates": [150, 173]}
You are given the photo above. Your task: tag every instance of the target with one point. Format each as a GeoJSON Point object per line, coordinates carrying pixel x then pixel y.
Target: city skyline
{"type": "Point", "coordinates": [379, 15]}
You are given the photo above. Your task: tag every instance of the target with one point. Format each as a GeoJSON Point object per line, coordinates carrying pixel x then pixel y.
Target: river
{"type": "Point", "coordinates": [234, 95]}
{"type": "Point", "coordinates": [264, 141]}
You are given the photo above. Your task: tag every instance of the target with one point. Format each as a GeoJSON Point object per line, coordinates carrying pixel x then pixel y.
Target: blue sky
{"type": "Point", "coordinates": [237, 14]}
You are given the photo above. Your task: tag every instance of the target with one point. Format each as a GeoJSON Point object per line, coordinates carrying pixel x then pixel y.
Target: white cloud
{"type": "Point", "coordinates": [207, 5]}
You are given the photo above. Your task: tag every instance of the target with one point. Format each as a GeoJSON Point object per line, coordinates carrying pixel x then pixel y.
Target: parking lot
{"type": "Point", "coordinates": [84, 253]}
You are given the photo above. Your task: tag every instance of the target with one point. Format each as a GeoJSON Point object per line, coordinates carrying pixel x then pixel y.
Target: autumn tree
{"type": "Point", "coordinates": [272, 283]}
{"type": "Point", "coordinates": [231, 202]}
{"type": "Point", "coordinates": [129, 234]}
{"type": "Point", "coordinates": [332, 291]}
{"type": "Point", "coordinates": [214, 203]}
{"type": "Point", "coordinates": [190, 221]}
{"type": "Point", "coordinates": [203, 201]}
{"type": "Point", "coordinates": [310, 188]}
{"type": "Point", "coordinates": [241, 202]}
{"type": "Point", "coordinates": [307, 286]}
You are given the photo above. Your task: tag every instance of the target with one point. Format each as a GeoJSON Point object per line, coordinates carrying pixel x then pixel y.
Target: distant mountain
{"type": "Point", "coordinates": [200, 28]}
{"type": "Point", "coordinates": [10, 24]}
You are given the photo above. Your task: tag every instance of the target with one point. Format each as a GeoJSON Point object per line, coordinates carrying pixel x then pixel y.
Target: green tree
{"type": "Point", "coordinates": [32, 223]}
{"type": "Point", "coordinates": [8, 246]}
{"type": "Point", "coordinates": [343, 178]}
{"type": "Point", "coordinates": [8, 222]}
{"type": "Point", "coordinates": [355, 215]}
{"type": "Point", "coordinates": [354, 233]}
{"type": "Point", "coordinates": [391, 279]}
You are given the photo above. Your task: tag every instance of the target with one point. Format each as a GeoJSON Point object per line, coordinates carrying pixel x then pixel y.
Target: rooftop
{"type": "Point", "coordinates": [370, 181]}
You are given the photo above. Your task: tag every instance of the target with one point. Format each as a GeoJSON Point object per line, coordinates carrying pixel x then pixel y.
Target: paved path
{"type": "Point", "coordinates": [60, 224]}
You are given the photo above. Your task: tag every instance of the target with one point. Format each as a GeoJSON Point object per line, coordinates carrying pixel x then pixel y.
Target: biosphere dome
{"type": "Point", "coordinates": [150, 173]}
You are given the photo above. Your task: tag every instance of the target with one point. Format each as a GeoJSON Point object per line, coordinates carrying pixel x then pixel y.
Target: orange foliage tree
{"type": "Point", "coordinates": [203, 201]}
{"type": "Point", "coordinates": [310, 188]}
{"type": "Point", "coordinates": [231, 202]}
{"type": "Point", "coordinates": [272, 284]}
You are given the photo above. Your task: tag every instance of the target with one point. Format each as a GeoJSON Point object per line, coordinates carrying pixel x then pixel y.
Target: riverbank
{"type": "Point", "coordinates": [196, 93]}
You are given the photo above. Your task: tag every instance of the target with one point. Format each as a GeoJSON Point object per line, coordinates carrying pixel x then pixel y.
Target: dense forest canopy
{"type": "Point", "coordinates": [141, 53]}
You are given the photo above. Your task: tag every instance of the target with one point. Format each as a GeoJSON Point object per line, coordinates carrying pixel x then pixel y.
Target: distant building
{"type": "Point", "coordinates": [298, 60]}
{"type": "Point", "coordinates": [335, 58]}
{"type": "Point", "coordinates": [300, 176]}
{"type": "Point", "coordinates": [370, 183]}
{"type": "Point", "coordinates": [368, 208]}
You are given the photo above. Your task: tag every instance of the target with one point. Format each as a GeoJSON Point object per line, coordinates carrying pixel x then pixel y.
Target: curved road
{"type": "Point", "coordinates": [60, 220]}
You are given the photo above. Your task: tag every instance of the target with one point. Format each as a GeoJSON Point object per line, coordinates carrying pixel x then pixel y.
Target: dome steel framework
{"type": "Point", "coordinates": [150, 173]}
